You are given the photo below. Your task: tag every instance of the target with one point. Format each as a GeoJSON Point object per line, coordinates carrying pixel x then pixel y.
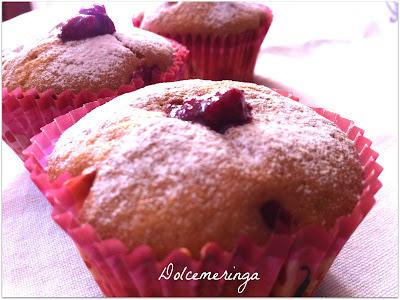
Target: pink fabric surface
{"type": "Point", "coordinates": [341, 56]}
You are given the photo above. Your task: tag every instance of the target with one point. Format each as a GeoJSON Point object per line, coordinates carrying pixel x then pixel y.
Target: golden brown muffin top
{"type": "Point", "coordinates": [171, 183]}
{"type": "Point", "coordinates": [204, 17]}
{"type": "Point", "coordinates": [104, 61]}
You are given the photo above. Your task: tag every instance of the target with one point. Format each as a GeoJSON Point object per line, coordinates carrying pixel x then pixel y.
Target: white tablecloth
{"type": "Point", "coordinates": [341, 56]}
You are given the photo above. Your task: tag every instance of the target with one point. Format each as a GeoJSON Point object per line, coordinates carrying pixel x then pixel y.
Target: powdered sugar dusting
{"type": "Point", "coordinates": [170, 183]}
{"type": "Point", "coordinates": [104, 61]}
{"type": "Point", "coordinates": [222, 14]}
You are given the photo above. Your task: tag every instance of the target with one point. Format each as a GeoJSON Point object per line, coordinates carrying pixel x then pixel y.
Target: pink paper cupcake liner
{"type": "Point", "coordinates": [287, 264]}
{"type": "Point", "coordinates": [218, 57]}
{"type": "Point", "coordinates": [25, 112]}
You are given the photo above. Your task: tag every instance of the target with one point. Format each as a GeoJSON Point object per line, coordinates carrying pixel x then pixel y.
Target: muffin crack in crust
{"type": "Point", "coordinates": [171, 183]}
{"type": "Point", "coordinates": [152, 49]}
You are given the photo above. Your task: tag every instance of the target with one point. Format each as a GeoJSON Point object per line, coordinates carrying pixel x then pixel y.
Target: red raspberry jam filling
{"type": "Point", "coordinates": [275, 217]}
{"type": "Point", "coordinates": [91, 22]}
{"type": "Point", "coordinates": [218, 112]}
{"type": "Point", "coordinates": [149, 75]}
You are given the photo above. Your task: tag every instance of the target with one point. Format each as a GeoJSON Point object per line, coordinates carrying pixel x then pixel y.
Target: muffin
{"type": "Point", "coordinates": [78, 62]}
{"type": "Point", "coordinates": [224, 38]}
{"type": "Point", "coordinates": [157, 180]}
{"type": "Point", "coordinates": [208, 178]}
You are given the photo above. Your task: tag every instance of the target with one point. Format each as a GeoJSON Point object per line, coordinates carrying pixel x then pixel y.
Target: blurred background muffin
{"type": "Point", "coordinates": [80, 60]}
{"type": "Point", "coordinates": [224, 38]}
